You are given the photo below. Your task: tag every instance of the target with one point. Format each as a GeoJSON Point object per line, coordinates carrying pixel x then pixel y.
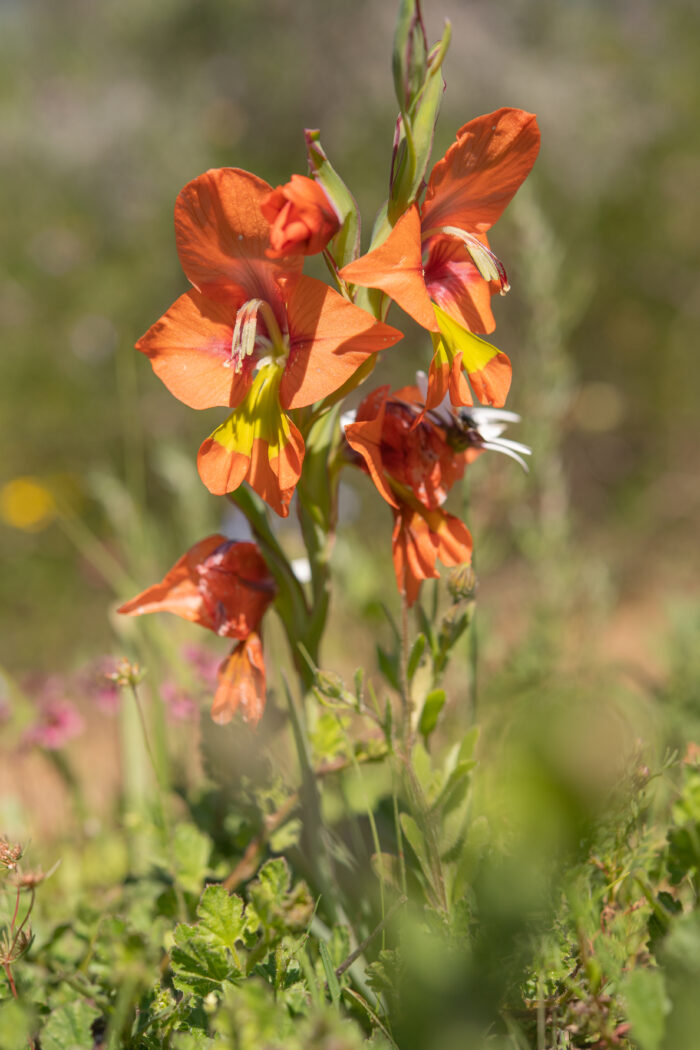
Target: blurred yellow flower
{"type": "Point", "coordinates": [25, 503]}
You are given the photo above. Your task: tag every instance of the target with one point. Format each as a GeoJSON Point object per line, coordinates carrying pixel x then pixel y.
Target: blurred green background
{"type": "Point", "coordinates": [107, 109]}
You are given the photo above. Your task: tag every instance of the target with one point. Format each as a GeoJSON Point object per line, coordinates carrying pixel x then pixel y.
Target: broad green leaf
{"type": "Point", "coordinates": [69, 1027]}
{"type": "Point", "coordinates": [198, 966]}
{"type": "Point", "coordinates": [432, 706]}
{"type": "Point", "coordinates": [221, 915]}
{"type": "Point", "coordinates": [647, 1006]}
{"type": "Point", "coordinates": [15, 1025]}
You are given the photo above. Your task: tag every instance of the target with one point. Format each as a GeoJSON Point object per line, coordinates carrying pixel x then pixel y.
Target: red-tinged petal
{"type": "Point", "coordinates": [396, 267]}
{"type": "Point", "coordinates": [455, 284]}
{"type": "Point", "coordinates": [220, 584]}
{"type": "Point", "coordinates": [481, 172]}
{"type": "Point", "coordinates": [179, 591]}
{"type": "Point", "coordinates": [190, 351]}
{"type": "Point", "coordinates": [258, 443]}
{"type": "Point", "coordinates": [329, 339]}
{"type": "Point", "coordinates": [365, 437]}
{"type": "Point", "coordinates": [236, 588]}
{"type": "Point", "coordinates": [241, 684]}
{"type": "Point", "coordinates": [223, 238]}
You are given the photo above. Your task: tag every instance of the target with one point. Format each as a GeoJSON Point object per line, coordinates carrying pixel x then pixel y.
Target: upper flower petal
{"type": "Point", "coordinates": [329, 339]}
{"type": "Point", "coordinates": [220, 584]}
{"type": "Point", "coordinates": [190, 350]}
{"type": "Point", "coordinates": [396, 267]}
{"type": "Point", "coordinates": [480, 173]}
{"type": "Point", "coordinates": [178, 591]}
{"type": "Point", "coordinates": [223, 238]}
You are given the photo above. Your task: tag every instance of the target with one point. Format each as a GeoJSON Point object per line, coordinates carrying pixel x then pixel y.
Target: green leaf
{"type": "Point", "coordinates": [432, 706]}
{"type": "Point", "coordinates": [647, 1006]}
{"type": "Point", "coordinates": [198, 966]}
{"type": "Point", "coordinates": [15, 1026]}
{"type": "Point", "coordinates": [414, 659]}
{"type": "Point", "coordinates": [69, 1027]}
{"type": "Point", "coordinates": [389, 667]}
{"type": "Point", "coordinates": [274, 879]}
{"type": "Point", "coordinates": [333, 986]}
{"type": "Point", "coordinates": [221, 915]}
{"type": "Point", "coordinates": [414, 837]}
{"type": "Point", "coordinates": [191, 848]}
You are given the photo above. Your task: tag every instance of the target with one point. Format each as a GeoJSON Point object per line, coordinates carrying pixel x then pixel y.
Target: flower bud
{"type": "Point", "coordinates": [461, 582]}
{"type": "Point", "coordinates": [9, 855]}
{"type": "Point", "coordinates": [302, 217]}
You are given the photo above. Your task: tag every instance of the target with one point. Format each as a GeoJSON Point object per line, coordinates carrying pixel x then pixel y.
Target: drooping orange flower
{"type": "Point", "coordinates": [438, 253]}
{"type": "Point", "coordinates": [413, 465]}
{"type": "Point", "coordinates": [302, 217]}
{"type": "Point", "coordinates": [226, 587]}
{"type": "Point", "coordinates": [414, 456]}
{"type": "Point", "coordinates": [254, 335]}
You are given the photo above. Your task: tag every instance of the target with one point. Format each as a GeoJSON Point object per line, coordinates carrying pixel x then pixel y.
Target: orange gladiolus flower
{"type": "Point", "coordinates": [302, 217]}
{"type": "Point", "coordinates": [255, 335]}
{"type": "Point", "coordinates": [438, 253]}
{"type": "Point", "coordinates": [414, 456]}
{"type": "Point", "coordinates": [413, 464]}
{"type": "Point", "coordinates": [226, 587]}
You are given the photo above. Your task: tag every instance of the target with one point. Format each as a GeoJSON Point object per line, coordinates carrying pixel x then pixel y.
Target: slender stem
{"type": "Point", "coordinates": [347, 963]}
{"type": "Point", "coordinates": [407, 729]}
{"type": "Point", "coordinates": [26, 917]}
{"type": "Point", "coordinates": [165, 817]}
{"type": "Point", "coordinates": [8, 972]}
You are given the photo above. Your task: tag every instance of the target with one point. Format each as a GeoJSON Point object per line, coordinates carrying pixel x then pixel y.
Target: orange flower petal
{"type": "Point", "coordinates": [178, 592]}
{"type": "Point", "coordinates": [241, 684]}
{"type": "Point", "coordinates": [329, 339]}
{"type": "Point", "coordinates": [480, 173]}
{"type": "Point", "coordinates": [190, 351]}
{"type": "Point", "coordinates": [223, 238]}
{"type": "Point", "coordinates": [303, 219]}
{"type": "Point", "coordinates": [220, 584]}
{"type": "Point", "coordinates": [446, 377]}
{"type": "Point", "coordinates": [365, 436]}
{"type": "Point", "coordinates": [420, 538]}
{"type": "Point", "coordinates": [396, 267]}
{"type": "Point", "coordinates": [492, 382]}
{"type": "Point", "coordinates": [273, 471]}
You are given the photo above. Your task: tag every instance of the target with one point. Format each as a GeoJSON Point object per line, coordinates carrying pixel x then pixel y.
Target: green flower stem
{"type": "Point", "coordinates": [291, 604]}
